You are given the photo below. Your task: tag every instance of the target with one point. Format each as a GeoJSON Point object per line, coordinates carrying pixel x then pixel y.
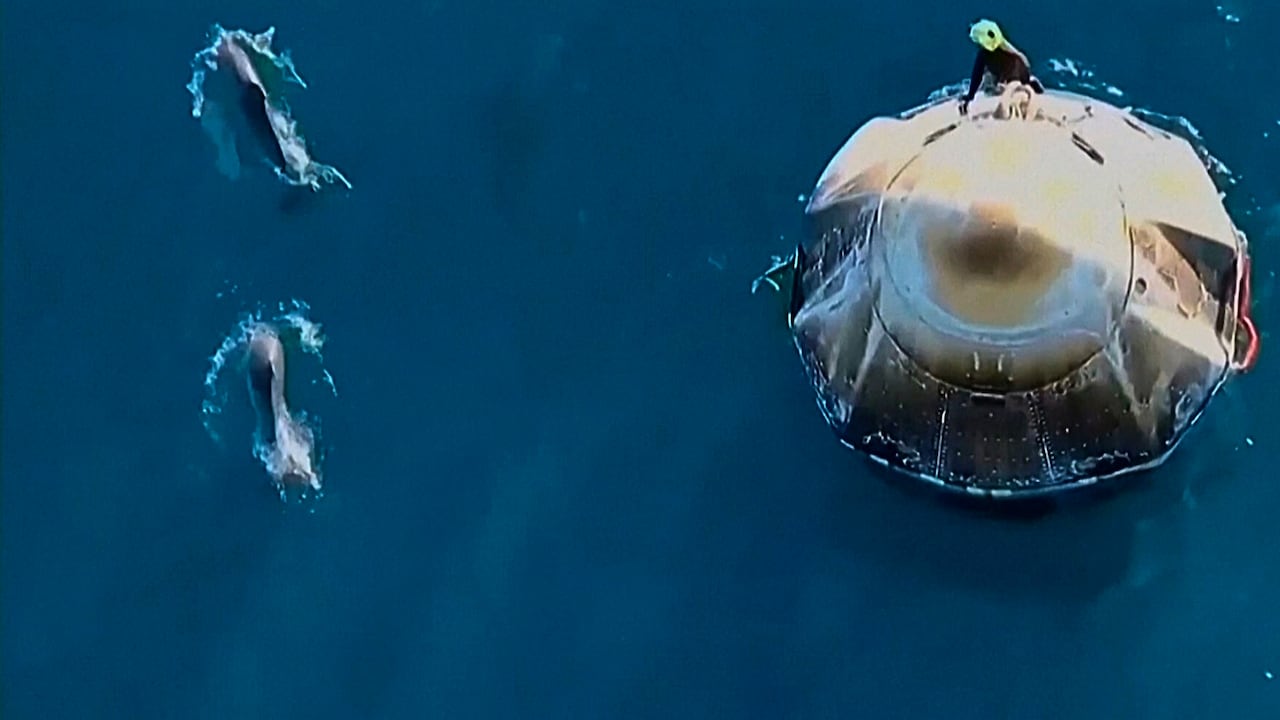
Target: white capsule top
{"type": "Point", "coordinates": [1002, 258]}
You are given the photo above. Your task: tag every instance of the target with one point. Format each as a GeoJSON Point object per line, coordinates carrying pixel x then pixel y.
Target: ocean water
{"type": "Point", "coordinates": [572, 468]}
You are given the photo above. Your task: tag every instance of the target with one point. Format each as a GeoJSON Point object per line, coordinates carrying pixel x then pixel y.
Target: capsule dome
{"type": "Point", "coordinates": [1019, 300]}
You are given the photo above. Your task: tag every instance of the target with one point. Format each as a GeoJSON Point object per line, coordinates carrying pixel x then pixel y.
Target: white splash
{"type": "Point", "coordinates": [1075, 75]}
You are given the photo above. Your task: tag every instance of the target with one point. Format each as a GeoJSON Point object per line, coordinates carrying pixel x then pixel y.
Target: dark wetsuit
{"type": "Point", "coordinates": [1006, 63]}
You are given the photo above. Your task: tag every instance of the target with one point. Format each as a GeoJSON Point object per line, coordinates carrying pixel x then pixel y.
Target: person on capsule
{"type": "Point", "coordinates": [999, 57]}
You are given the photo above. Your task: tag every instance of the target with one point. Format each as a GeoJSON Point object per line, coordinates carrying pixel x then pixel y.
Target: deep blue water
{"type": "Point", "coordinates": [573, 468]}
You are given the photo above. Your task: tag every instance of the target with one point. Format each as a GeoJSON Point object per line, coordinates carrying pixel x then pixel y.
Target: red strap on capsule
{"type": "Point", "coordinates": [1244, 306]}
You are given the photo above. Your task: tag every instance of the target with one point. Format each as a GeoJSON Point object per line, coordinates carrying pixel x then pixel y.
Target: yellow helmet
{"type": "Point", "coordinates": [987, 34]}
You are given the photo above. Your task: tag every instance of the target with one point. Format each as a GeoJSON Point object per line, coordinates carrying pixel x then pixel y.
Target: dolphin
{"type": "Point", "coordinates": [268, 114]}
{"type": "Point", "coordinates": [286, 442]}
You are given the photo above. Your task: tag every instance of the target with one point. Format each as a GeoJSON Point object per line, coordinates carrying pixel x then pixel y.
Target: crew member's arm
{"type": "Point", "coordinates": [975, 80]}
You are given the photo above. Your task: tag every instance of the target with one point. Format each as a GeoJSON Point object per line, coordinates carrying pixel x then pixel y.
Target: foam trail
{"type": "Point", "coordinates": [261, 77]}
